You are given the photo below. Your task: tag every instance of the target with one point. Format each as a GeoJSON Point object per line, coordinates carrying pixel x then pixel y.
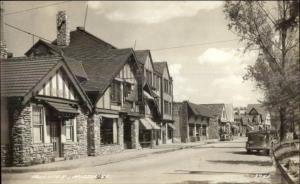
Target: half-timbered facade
{"type": "Point", "coordinates": [150, 131]}
{"type": "Point", "coordinates": [47, 110]}
{"type": "Point", "coordinates": [166, 101]}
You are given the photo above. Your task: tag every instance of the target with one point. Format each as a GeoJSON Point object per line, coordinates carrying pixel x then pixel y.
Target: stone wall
{"type": "Point", "coordinates": [5, 155]}
{"type": "Point", "coordinates": [21, 137]}
{"type": "Point", "coordinates": [40, 153]}
{"type": "Point", "coordinates": [71, 150]}
{"type": "Point", "coordinates": [107, 149]}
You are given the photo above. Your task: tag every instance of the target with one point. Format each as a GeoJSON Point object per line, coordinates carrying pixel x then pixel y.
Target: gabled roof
{"type": "Point", "coordinates": [215, 109]}
{"type": "Point", "coordinates": [25, 76]}
{"type": "Point", "coordinates": [95, 58]}
{"type": "Point", "coordinates": [258, 107]}
{"type": "Point", "coordinates": [200, 110]}
{"type": "Point", "coordinates": [160, 66]}
{"type": "Point", "coordinates": [20, 75]}
{"type": "Point", "coordinates": [102, 70]}
{"type": "Point", "coordinates": [141, 55]}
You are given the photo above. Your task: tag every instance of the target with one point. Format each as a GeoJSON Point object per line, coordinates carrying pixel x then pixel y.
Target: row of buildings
{"type": "Point", "coordinates": [81, 96]}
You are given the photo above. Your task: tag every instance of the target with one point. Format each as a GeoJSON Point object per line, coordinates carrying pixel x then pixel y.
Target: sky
{"type": "Point", "coordinates": [210, 72]}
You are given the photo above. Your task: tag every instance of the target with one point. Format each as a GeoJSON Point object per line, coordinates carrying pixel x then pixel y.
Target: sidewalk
{"type": "Point", "coordinates": [104, 159]}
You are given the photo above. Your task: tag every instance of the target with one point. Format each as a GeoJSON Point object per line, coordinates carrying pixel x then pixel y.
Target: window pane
{"type": "Point", "coordinates": [37, 137]}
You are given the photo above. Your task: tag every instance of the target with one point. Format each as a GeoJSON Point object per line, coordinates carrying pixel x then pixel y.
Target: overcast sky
{"type": "Point", "coordinates": [208, 73]}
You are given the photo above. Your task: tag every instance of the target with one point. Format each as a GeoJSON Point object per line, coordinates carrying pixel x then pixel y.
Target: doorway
{"type": "Point", "coordinates": [55, 132]}
{"type": "Point", "coordinates": [127, 134]}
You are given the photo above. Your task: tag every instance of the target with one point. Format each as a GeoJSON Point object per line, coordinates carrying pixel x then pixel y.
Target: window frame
{"type": "Point", "coordinates": [72, 130]}
{"type": "Point", "coordinates": [41, 124]}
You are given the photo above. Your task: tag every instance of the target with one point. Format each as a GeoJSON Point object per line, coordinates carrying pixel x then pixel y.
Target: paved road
{"type": "Point", "coordinates": [223, 162]}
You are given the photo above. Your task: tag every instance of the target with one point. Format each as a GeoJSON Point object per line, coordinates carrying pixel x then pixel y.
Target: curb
{"type": "Point", "coordinates": [70, 167]}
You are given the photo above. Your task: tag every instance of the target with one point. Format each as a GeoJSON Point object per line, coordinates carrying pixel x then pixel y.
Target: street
{"type": "Point", "coordinates": [221, 162]}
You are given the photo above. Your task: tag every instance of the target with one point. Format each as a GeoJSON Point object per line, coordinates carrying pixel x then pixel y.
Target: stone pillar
{"type": "Point", "coordinates": [120, 137]}
{"type": "Point", "coordinates": [135, 135]}
{"type": "Point", "coordinates": [115, 131]}
{"type": "Point", "coordinates": [94, 139]}
{"type": "Point", "coordinates": [195, 130]}
{"type": "Point", "coordinates": [21, 137]}
{"type": "Point", "coordinates": [82, 134]}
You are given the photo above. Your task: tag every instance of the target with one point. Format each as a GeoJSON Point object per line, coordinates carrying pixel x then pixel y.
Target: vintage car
{"type": "Point", "coordinates": [225, 132]}
{"type": "Point", "coordinates": [260, 140]}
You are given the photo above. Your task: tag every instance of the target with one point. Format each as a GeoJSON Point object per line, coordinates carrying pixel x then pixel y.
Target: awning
{"type": "Point", "coordinates": [146, 124]}
{"type": "Point", "coordinates": [172, 126]}
{"type": "Point", "coordinates": [153, 124]}
{"type": "Point", "coordinates": [112, 116]}
{"type": "Point", "coordinates": [147, 95]}
{"type": "Point", "coordinates": [63, 108]}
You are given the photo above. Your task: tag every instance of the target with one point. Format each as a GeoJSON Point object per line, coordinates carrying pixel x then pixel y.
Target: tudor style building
{"type": "Point", "coordinates": [193, 122]}
{"type": "Point", "coordinates": [165, 85]}
{"type": "Point", "coordinates": [44, 111]}
{"type": "Point", "coordinates": [150, 131]}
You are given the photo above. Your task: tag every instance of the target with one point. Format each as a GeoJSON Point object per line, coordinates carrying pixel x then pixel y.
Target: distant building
{"type": "Point", "coordinates": [194, 122]}
{"type": "Point", "coordinates": [258, 117]}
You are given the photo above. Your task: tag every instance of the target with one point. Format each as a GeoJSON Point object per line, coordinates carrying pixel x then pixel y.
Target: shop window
{"type": "Point", "coordinates": [70, 130]}
{"type": "Point", "coordinates": [191, 130]}
{"type": "Point", "coordinates": [38, 124]}
{"type": "Point", "coordinates": [106, 132]}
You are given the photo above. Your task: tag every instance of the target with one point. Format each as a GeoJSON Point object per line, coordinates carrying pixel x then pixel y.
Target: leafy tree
{"type": "Point", "coordinates": [277, 69]}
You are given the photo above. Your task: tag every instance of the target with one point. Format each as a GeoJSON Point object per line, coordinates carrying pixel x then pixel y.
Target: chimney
{"type": "Point", "coordinates": [63, 34]}
{"type": "Point", "coordinates": [3, 49]}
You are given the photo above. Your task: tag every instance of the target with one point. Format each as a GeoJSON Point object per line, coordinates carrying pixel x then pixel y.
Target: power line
{"type": "Point", "coordinates": [35, 8]}
{"type": "Point", "coordinates": [195, 44]}
{"type": "Point", "coordinates": [19, 29]}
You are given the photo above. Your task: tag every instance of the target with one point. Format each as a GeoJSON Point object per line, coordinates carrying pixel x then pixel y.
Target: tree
{"type": "Point", "coordinates": [277, 69]}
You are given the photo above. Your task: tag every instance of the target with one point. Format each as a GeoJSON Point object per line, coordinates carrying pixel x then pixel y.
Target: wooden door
{"type": "Point", "coordinates": [55, 131]}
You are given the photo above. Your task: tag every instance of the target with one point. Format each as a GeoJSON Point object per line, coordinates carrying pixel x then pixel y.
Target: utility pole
{"type": "Point", "coordinates": [3, 49]}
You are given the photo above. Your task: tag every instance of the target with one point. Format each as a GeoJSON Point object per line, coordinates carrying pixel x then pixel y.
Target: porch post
{"type": "Point", "coordinates": [135, 135]}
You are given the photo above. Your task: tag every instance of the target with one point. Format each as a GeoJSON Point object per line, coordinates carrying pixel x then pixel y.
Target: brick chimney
{"type": "Point", "coordinates": [63, 33]}
{"type": "Point", "coordinates": [3, 49]}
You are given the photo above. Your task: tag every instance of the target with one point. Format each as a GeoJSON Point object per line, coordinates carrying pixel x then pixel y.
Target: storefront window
{"type": "Point", "coordinates": [204, 130]}
{"type": "Point", "coordinates": [106, 132]}
{"type": "Point", "coordinates": [38, 124]}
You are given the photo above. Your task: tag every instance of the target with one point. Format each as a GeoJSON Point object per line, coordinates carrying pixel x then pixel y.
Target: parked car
{"type": "Point", "coordinates": [260, 140]}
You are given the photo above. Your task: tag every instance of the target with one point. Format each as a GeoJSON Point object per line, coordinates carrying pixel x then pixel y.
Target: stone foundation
{"type": "Point", "coordinates": [107, 149]}
{"type": "Point", "coordinates": [71, 150]}
{"type": "Point", "coordinates": [40, 154]}
{"type": "Point", "coordinates": [5, 155]}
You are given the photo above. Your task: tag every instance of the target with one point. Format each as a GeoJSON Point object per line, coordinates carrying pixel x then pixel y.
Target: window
{"type": "Point", "coordinates": [38, 124]}
{"type": "Point", "coordinates": [170, 88]}
{"type": "Point", "coordinates": [166, 86]}
{"type": "Point", "coordinates": [166, 107]}
{"type": "Point", "coordinates": [126, 89]}
{"type": "Point", "coordinates": [149, 77]}
{"type": "Point", "coordinates": [70, 130]}
{"type": "Point", "coordinates": [116, 92]}
{"type": "Point", "coordinates": [106, 131]}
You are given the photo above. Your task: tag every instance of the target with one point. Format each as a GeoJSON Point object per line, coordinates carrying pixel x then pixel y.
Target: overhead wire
{"type": "Point", "coordinates": [35, 8]}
